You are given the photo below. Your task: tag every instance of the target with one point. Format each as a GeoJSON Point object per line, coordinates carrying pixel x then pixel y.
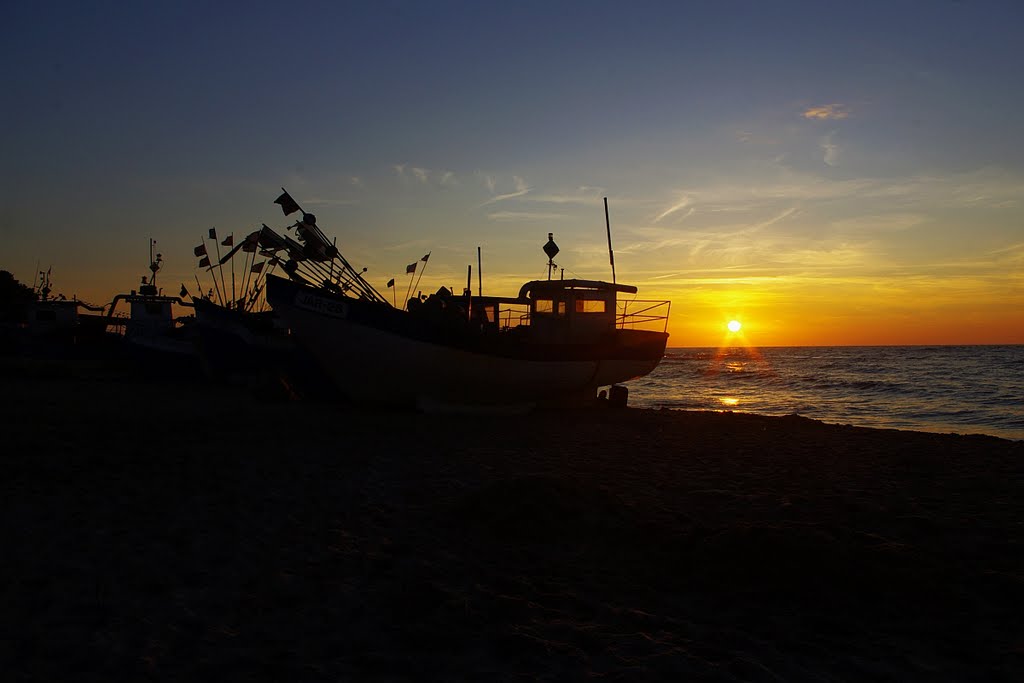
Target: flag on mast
{"type": "Point", "coordinates": [288, 204]}
{"type": "Point", "coordinates": [183, 292]}
{"type": "Point", "coordinates": [251, 241]}
{"type": "Point", "coordinates": [258, 267]}
{"type": "Point", "coordinates": [391, 282]}
{"type": "Point", "coordinates": [424, 259]}
{"type": "Point", "coordinates": [229, 241]}
{"type": "Point", "coordinates": [200, 250]}
{"type": "Point", "coordinates": [213, 233]}
{"type": "Point", "coordinates": [205, 263]}
{"type": "Point", "coordinates": [411, 268]}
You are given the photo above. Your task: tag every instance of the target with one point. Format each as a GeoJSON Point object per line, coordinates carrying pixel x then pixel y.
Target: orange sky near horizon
{"type": "Point", "coordinates": [847, 316]}
{"type": "Point", "coordinates": [772, 311]}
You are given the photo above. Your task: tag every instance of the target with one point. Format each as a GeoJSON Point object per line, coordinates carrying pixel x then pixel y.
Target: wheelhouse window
{"type": "Point", "coordinates": [590, 306]}
{"type": "Point", "coordinates": [549, 307]}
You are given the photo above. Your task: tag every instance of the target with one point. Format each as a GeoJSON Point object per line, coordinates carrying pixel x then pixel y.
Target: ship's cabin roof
{"type": "Point", "coordinates": [549, 287]}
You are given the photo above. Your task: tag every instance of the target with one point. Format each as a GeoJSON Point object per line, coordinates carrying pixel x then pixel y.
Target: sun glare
{"type": "Point", "coordinates": [734, 326]}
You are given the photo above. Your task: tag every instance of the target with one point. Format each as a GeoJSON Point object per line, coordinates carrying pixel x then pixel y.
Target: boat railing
{"type": "Point", "coordinates": [643, 315]}
{"type": "Point", "coordinates": [513, 316]}
{"type": "Point", "coordinates": [638, 314]}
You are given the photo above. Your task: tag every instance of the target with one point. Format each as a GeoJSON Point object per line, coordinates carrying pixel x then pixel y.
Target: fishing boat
{"type": "Point", "coordinates": [239, 338]}
{"type": "Point", "coordinates": [556, 342]}
{"type": "Point", "coordinates": [52, 319]}
{"type": "Point", "coordinates": [150, 332]}
{"type": "Point", "coordinates": [36, 321]}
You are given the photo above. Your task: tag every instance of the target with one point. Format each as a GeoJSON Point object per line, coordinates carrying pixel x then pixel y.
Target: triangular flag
{"type": "Point", "coordinates": [424, 259]}
{"type": "Point", "coordinates": [391, 282]}
{"type": "Point", "coordinates": [288, 204]}
{"type": "Point", "coordinates": [411, 268]}
{"type": "Point", "coordinates": [205, 263]}
{"type": "Point", "coordinates": [229, 240]}
{"type": "Point", "coordinates": [183, 292]}
{"type": "Point", "coordinates": [258, 267]}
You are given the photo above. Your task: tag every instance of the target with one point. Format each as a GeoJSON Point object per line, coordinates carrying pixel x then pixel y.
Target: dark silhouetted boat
{"type": "Point", "coordinates": [43, 323]}
{"type": "Point", "coordinates": [150, 333]}
{"type": "Point", "coordinates": [554, 343]}
{"type": "Point", "coordinates": [242, 341]}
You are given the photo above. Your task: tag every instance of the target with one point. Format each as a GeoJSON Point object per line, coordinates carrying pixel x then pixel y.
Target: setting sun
{"type": "Point", "coordinates": [734, 326]}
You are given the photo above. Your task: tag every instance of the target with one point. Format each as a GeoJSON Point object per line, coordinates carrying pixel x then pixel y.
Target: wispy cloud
{"type": "Point", "coordinates": [1013, 253]}
{"type": "Point", "coordinates": [488, 181]}
{"type": "Point", "coordinates": [524, 216]}
{"type": "Point", "coordinates": [746, 136]}
{"type": "Point", "coordinates": [321, 201]}
{"type": "Point", "coordinates": [884, 223]}
{"type": "Point", "coordinates": [585, 194]}
{"type": "Point", "coordinates": [684, 202]}
{"type": "Point", "coordinates": [826, 112]}
{"type": "Point", "coordinates": [830, 150]}
{"type": "Point", "coordinates": [408, 246]}
{"type": "Point", "coordinates": [990, 188]}
{"type": "Point", "coordinates": [521, 189]}
{"type": "Point", "coordinates": [780, 217]}
{"type": "Point", "coordinates": [425, 176]}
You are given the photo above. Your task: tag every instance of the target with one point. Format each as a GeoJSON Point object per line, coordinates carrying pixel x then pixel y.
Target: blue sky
{"type": "Point", "coordinates": [775, 160]}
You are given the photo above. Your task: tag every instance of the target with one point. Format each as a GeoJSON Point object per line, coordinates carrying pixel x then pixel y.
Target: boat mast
{"type": "Point", "coordinates": [608, 225]}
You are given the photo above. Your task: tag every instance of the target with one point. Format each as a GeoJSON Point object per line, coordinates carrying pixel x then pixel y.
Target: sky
{"type": "Point", "coordinates": [826, 173]}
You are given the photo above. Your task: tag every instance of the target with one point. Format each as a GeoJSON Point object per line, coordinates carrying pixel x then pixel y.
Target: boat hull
{"type": "Point", "coordinates": [250, 348]}
{"type": "Point", "coordinates": [232, 342]}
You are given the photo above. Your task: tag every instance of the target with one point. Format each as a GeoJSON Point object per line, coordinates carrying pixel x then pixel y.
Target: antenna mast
{"type": "Point", "coordinates": [551, 249]}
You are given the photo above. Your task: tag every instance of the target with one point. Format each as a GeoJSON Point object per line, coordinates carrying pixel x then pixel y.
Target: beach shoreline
{"type": "Point", "coordinates": [189, 530]}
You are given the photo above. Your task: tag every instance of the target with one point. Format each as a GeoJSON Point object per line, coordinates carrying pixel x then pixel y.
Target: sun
{"type": "Point", "coordinates": [734, 326]}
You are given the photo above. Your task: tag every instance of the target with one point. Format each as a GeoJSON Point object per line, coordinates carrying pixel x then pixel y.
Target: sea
{"type": "Point", "coordinates": [944, 389]}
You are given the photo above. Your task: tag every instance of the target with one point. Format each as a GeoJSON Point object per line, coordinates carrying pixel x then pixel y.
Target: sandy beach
{"type": "Point", "coordinates": [188, 531]}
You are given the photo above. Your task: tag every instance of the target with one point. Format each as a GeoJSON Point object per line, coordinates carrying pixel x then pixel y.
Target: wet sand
{"type": "Point", "coordinates": [184, 531]}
